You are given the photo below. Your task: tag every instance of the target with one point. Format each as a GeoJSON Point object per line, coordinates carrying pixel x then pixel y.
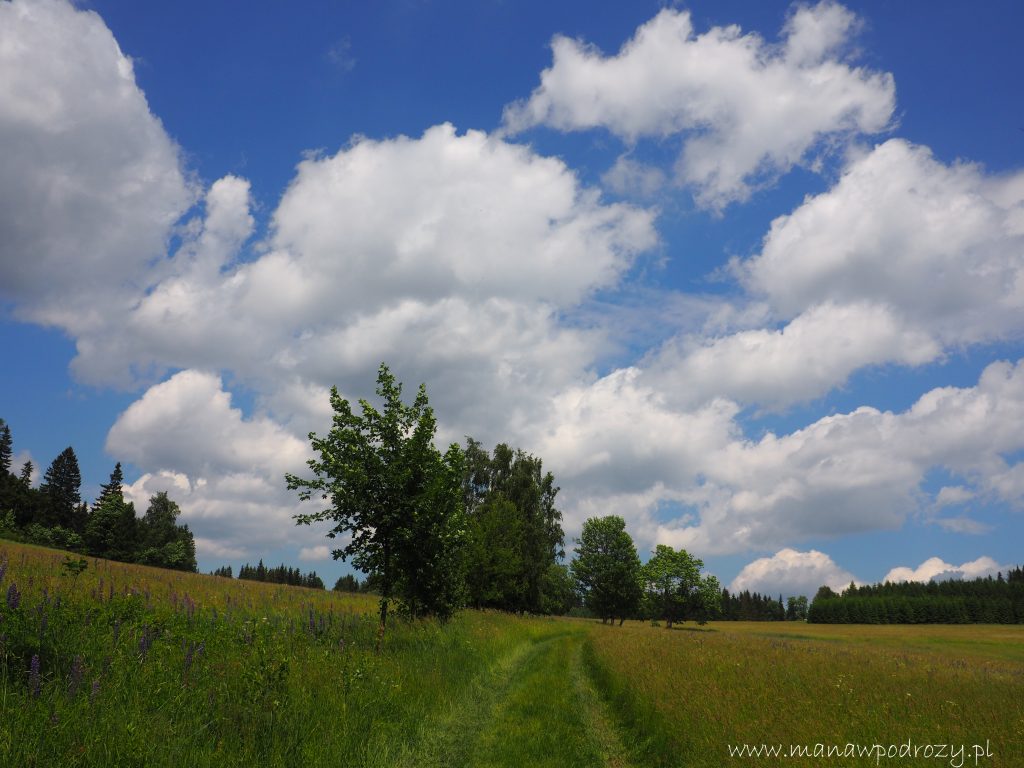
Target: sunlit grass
{"type": "Point", "coordinates": [140, 666]}
{"type": "Point", "coordinates": [698, 691]}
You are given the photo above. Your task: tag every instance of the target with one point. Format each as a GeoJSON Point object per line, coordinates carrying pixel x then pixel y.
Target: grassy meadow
{"type": "Point", "coordinates": [134, 666]}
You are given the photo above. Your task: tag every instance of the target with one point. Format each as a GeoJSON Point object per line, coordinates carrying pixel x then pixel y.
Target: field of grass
{"type": "Point", "coordinates": [696, 691]}
{"type": "Point", "coordinates": [130, 666]}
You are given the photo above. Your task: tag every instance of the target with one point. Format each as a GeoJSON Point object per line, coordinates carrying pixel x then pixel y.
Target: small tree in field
{"type": "Point", "coordinates": [396, 495]}
{"type": "Point", "coordinates": [607, 568]}
{"type": "Point", "coordinates": [675, 590]}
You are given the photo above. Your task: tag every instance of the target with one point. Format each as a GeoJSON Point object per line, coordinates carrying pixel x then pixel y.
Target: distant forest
{"type": "Point", "coordinates": [986, 600]}
{"type": "Point", "coordinates": [281, 574]}
{"type": "Point", "coordinates": [54, 514]}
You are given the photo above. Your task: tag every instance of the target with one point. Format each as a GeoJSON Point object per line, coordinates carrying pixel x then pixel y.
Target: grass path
{"type": "Point", "coordinates": [536, 706]}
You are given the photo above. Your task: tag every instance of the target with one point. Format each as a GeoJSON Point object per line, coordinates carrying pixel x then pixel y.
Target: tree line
{"type": "Point", "coordinates": [752, 606]}
{"type": "Point", "coordinates": [280, 574]}
{"type": "Point", "coordinates": [55, 515]}
{"type": "Point", "coordinates": [475, 527]}
{"type": "Point", "coordinates": [984, 600]}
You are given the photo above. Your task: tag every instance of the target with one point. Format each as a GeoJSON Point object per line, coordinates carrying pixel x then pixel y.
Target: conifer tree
{"type": "Point", "coordinates": [61, 489]}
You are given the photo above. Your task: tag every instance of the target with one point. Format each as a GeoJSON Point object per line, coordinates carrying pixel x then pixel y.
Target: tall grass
{"type": "Point", "coordinates": [127, 665]}
{"type": "Point", "coordinates": [693, 693]}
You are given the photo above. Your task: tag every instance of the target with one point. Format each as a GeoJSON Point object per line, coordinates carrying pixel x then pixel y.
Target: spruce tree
{"type": "Point", "coordinates": [6, 452]}
{"type": "Point", "coordinates": [61, 489]}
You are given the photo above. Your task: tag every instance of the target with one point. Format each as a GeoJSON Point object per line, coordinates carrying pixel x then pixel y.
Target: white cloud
{"type": "Point", "coordinates": [746, 108]}
{"type": "Point", "coordinates": [90, 183]}
{"type": "Point", "coordinates": [188, 424]}
{"type": "Point", "coordinates": [935, 568]}
{"type": "Point", "coordinates": [846, 473]}
{"type": "Point", "coordinates": [950, 495]}
{"type": "Point", "coordinates": [805, 359]}
{"type": "Point", "coordinates": [962, 525]}
{"type": "Point", "coordinates": [790, 572]}
{"type": "Point", "coordinates": [629, 177]}
{"type": "Point", "coordinates": [319, 552]}
{"type": "Point", "coordinates": [939, 246]}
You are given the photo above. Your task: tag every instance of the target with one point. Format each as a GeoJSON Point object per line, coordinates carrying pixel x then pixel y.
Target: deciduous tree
{"type": "Point", "coordinates": [607, 568]}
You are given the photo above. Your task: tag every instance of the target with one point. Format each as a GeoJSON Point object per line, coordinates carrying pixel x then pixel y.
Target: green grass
{"type": "Point", "coordinates": [694, 693]}
{"type": "Point", "coordinates": [143, 667]}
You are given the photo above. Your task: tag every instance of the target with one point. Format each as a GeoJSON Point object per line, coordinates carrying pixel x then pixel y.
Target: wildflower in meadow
{"type": "Point", "coordinates": [3, 569]}
{"type": "Point", "coordinates": [75, 680]}
{"type": "Point", "coordinates": [94, 691]}
{"type": "Point", "coordinates": [13, 596]}
{"type": "Point", "coordinates": [34, 682]}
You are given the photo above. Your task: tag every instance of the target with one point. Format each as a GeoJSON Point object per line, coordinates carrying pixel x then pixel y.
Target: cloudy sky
{"type": "Point", "coordinates": [749, 275]}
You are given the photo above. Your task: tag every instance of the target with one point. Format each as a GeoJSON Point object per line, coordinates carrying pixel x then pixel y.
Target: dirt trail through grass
{"type": "Point", "coordinates": [536, 707]}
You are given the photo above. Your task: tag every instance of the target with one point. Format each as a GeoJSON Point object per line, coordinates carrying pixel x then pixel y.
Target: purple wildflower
{"type": "Point", "coordinates": [146, 641]}
{"type": "Point", "coordinates": [77, 671]}
{"type": "Point", "coordinates": [3, 569]}
{"type": "Point", "coordinates": [13, 596]}
{"type": "Point", "coordinates": [94, 691]}
{"type": "Point", "coordinates": [34, 683]}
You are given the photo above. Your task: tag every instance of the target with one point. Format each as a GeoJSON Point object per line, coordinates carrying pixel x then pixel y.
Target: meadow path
{"type": "Point", "coordinates": [537, 706]}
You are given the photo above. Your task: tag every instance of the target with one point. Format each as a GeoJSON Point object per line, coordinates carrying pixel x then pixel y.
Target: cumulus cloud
{"type": "Point", "coordinates": [791, 572]}
{"type": "Point", "coordinates": [805, 359]}
{"type": "Point", "coordinates": [371, 255]}
{"type": "Point", "coordinates": [90, 183]}
{"type": "Point", "coordinates": [939, 246]}
{"type": "Point", "coordinates": [224, 470]}
{"type": "Point", "coordinates": [904, 259]}
{"type": "Point", "coordinates": [745, 108]}
{"type": "Point", "coordinates": [319, 552]}
{"type": "Point", "coordinates": [936, 569]}
{"type": "Point", "coordinates": [845, 473]}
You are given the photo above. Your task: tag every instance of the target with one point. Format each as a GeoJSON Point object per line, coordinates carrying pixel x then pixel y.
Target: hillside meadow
{"type": "Point", "coordinates": [117, 664]}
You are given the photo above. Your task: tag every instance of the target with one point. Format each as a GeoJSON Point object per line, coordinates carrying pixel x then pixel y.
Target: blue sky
{"type": "Point", "coordinates": [748, 274]}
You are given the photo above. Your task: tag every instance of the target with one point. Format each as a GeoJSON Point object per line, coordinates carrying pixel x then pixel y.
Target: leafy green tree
{"type": "Point", "coordinates": [796, 608]}
{"type": "Point", "coordinates": [161, 541]}
{"type": "Point", "coordinates": [381, 474]}
{"type": "Point", "coordinates": [607, 569]}
{"type": "Point", "coordinates": [529, 541]}
{"type": "Point", "coordinates": [495, 570]}
{"type": "Point", "coordinates": [559, 591]}
{"type": "Point", "coordinates": [346, 583]}
{"type": "Point", "coordinates": [669, 579]}
{"type": "Point", "coordinates": [61, 490]}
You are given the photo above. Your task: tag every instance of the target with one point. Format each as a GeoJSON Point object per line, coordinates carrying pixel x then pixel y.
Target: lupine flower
{"type": "Point", "coordinates": [13, 596]}
{"type": "Point", "coordinates": [77, 671]}
{"type": "Point", "coordinates": [3, 569]}
{"type": "Point", "coordinates": [94, 691]}
{"type": "Point", "coordinates": [34, 683]}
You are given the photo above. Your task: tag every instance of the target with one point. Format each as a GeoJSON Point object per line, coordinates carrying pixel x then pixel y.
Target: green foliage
{"type": "Point", "coordinates": [394, 495]}
{"type": "Point", "coordinates": [671, 579]}
{"type": "Point", "coordinates": [6, 451]}
{"type": "Point", "coordinates": [607, 569]}
{"type": "Point", "coordinates": [61, 490]}
{"type": "Point", "coordinates": [750, 606]}
{"type": "Point", "coordinates": [558, 591]}
{"type": "Point", "coordinates": [976, 601]}
{"type": "Point", "coordinates": [796, 608]}
{"type": "Point", "coordinates": [346, 583]}
{"type": "Point", "coordinates": [515, 530]}
{"type": "Point", "coordinates": [282, 574]}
